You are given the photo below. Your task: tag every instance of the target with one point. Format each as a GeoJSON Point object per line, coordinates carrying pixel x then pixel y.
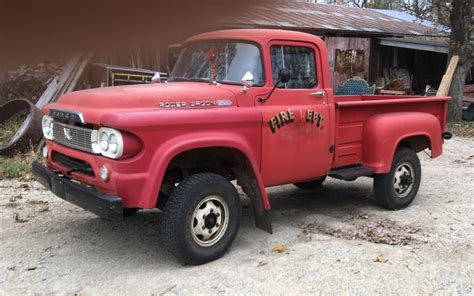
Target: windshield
{"type": "Point", "coordinates": [220, 61]}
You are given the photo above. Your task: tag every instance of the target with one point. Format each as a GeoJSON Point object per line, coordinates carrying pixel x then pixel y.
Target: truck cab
{"type": "Point", "coordinates": [251, 106]}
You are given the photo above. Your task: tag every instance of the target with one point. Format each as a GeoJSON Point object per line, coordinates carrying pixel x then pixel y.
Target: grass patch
{"type": "Point", "coordinates": [9, 128]}
{"type": "Point", "coordinates": [18, 166]}
{"type": "Point", "coordinates": [462, 128]}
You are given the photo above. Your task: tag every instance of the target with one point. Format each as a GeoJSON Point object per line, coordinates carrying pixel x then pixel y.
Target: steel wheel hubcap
{"type": "Point", "coordinates": [403, 179]}
{"type": "Point", "coordinates": [209, 221]}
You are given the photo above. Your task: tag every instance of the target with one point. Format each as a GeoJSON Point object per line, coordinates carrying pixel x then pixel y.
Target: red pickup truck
{"type": "Point", "coordinates": [255, 106]}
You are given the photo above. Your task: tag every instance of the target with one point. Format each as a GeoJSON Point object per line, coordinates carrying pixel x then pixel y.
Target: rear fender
{"type": "Point", "coordinates": [173, 147]}
{"type": "Point", "coordinates": [384, 132]}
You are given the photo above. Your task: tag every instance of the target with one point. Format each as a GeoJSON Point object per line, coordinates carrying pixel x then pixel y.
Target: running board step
{"type": "Point", "coordinates": [351, 173]}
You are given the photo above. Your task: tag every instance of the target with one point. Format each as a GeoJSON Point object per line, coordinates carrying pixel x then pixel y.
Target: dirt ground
{"type": "Point", "coordinates": [338, 241]}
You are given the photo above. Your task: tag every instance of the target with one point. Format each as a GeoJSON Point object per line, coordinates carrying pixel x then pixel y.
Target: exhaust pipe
{"type": "Point", "coordinates": [447, 135]}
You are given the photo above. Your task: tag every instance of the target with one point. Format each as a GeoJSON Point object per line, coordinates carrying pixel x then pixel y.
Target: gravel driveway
{"type": "Point", "coordinates": [337, 240]}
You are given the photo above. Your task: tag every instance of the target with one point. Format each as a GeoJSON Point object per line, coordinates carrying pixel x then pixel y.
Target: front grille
{"type": "Point", "coordinates": [73, 136]}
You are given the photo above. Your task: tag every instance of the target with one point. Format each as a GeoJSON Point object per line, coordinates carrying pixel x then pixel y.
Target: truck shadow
{"type": "Point", "coordinates": [105, 241]}
{"type": "Point", "coordinates": [335, 199]}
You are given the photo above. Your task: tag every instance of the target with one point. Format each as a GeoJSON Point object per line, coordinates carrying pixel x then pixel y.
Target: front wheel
{"type": "Point", "coordinates": [398, 188]}
{"type": "Point", "coordinates": [201, 218]}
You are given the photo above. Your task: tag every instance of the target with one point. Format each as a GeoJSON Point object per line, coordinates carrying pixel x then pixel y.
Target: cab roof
{"type": "Point", "coordinates": [261, 36]}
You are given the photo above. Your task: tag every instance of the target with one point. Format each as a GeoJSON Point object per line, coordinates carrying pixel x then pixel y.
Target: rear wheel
{"type": "Point", "coordinates": [398, 188]}
{"type": "Point", "coordinates": [311, 185]}
{"type": "Point", "coordinates": [201, 218]}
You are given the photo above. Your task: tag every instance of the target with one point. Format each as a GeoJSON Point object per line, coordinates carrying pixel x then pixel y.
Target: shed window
{"type": "Point", "coordinates": [299, 61]}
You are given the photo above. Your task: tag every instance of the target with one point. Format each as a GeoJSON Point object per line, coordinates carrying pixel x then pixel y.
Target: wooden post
{"type": "Point", "coordinates": [447, 77]}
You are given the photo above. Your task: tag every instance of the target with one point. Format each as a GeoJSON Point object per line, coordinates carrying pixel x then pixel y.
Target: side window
{"type": "Point", "coordinates": [299, 61]}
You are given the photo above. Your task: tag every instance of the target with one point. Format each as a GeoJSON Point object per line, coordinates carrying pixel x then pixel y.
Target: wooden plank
{"type": "Point", "coordinates": [50, 91]}
{"type": "Point", "coordinates": [79, 73]}
{"type": "Point", "coordinates": [447, 77]}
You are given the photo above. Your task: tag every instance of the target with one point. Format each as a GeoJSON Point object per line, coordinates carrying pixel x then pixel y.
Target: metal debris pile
{"type": "Point", "coordinates": [27, 81]}
{"type": "Point", "coordinates": [28, 88]}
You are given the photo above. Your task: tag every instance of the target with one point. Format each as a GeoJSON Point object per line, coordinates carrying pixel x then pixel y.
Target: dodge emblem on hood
{"type": "Point", "coordinates": [198, 103]}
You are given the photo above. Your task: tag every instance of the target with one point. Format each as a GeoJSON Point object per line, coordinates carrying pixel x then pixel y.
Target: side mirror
{"type": "Point", "coordinates": [284, 75]}
{"type": "Point", "coordinates": [156, 78]}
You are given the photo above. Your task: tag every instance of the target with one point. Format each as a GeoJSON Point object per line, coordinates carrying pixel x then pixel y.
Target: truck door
{"type": "Point", "coordinates": [295, 135]}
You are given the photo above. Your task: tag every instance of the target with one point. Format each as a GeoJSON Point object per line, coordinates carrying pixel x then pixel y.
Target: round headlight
{"type": "Point", "coordinates": [108, 142]}
{"type": "Point", "coordinates": [113, 143]}
{"type": "Point", "coordinates": [47, 124]}
{"type": "Point", "coordinates": [104, 141]}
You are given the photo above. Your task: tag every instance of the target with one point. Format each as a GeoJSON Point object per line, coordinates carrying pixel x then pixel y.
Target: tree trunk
{"type": "Point", "coordinates": [460, 18]}
{"type": "Point", "coordinates": [456, 92]}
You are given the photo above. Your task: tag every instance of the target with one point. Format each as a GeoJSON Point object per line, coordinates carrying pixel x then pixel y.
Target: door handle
{"type": "Point", "coordinates": [319, 93]}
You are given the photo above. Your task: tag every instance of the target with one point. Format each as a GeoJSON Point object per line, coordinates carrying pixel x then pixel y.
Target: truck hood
{"type": "Point", "coordinates": [157, 95]}
{"type": "Point", "coordinates": [94, 103]}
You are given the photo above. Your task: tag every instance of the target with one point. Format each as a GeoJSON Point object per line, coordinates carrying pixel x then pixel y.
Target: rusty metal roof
{"type": "Point", "coordinates": [323, 18]}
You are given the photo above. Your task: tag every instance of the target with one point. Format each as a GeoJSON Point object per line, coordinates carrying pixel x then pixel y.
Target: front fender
{"type": "Point", "coordinates": [383, 132]}
{"type": "Point", "coordinates": [174, 146]}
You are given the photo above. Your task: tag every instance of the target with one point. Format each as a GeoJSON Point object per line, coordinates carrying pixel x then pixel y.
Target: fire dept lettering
{"type": "Point", "coordinates": [281, 119]}
{"type": "Point", "coordinates": [313, 117]}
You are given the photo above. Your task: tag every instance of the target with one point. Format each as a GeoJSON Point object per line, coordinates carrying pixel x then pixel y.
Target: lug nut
{"type": "Point", "coordinates": [210, 231]}
{"type": "Point", "coordinates": [217, 214]}
{"type": "Point", "coordinates": [217, 224]}
{"type": "Point", "coordinates": [212, 210]}
{"type": "Point", "coordinates": [204, 216]}
{"type": "Point", "coordinates": [203, 227]}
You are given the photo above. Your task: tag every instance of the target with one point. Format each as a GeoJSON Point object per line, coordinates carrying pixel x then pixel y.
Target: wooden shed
{"type": "Point", "coordinates": [368, 43]}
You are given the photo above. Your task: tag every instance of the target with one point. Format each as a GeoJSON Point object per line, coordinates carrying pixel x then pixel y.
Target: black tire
{"type": "Point", "coordinates": [183, 209]}
{"type": "Point", "coordinates": [127, 212]}
{"type": "Point", "coordinates": [398, 188]}
{"type": "Point", "coordinates": [311, 185]}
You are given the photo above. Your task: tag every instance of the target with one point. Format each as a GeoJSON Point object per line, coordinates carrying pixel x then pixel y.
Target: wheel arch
{"type": "Point", "coordinates": [184, 146]}
{"type": "Point", "coordinates": [416, 142]}
{"type": "Point", "coordinates": [384, 133]}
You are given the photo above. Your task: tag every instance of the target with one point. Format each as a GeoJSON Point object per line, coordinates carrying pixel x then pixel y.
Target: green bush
{"type": "Point", "coordinates": [17, 166]}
